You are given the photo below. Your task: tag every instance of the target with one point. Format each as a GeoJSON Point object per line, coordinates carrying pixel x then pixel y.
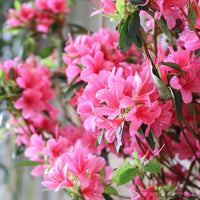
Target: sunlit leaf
{"type": "Point", "coordinates": [27, 163]}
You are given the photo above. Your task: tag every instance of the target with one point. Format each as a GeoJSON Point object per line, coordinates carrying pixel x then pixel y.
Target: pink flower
{"type": "Point", "coordinates": [149, 194]}
{"type": "Point", "coordinates": [55, 148]}
{"type": "Point", "coordinates": [108, 7]}
{"type": "Point", "coordinates": [77, 168]}
{"type": "Point", "coordinates": [28, 104]}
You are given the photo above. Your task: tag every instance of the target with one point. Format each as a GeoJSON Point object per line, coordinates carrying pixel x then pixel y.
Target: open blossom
{"type": "Point", "coordinates": [77, 168]}
{"type": "Point", "coordinates": [108, 7]}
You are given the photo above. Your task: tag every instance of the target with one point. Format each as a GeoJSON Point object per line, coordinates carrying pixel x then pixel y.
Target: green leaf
{"type": "Point", "coordinates": [20, 150]}
{"type": "Point", "coordinates": [50, 63]}
{"type": "Point", "coordinates": [134, 24]}
{"type": "Point", "coordinates": [127, 175]}
{"type": "Point", "coordinates": [120, 6]}
{"type": "Point", "coordinates": [98, 141]}
{"type": "Point", "coordinates": [119, 171]}
{"type": "Point", "coordinates": [162, 88]}
{"type": "Point", "coordinates": [137, 41]}
{"type": "Point", "coordinates": [2, 75]}
{"type": "Point", "coordinates": [125, 40]}
{"type": "Point", "coordinates": [172, 65]}
{"type": "Point", "coordinates": [150, 140]}
{"type": "Point", "coordinates": [192, 15]}
{"type": "Point", "coordinates": [17, 5]}
{"type": "Point", "coordinates": [27, 163]}
{"type": "Point", "coordinates": [163, 26]}
{"type": "Point", "coordinates": [116, 16]}
{"type": "Point", "coordinates": [107, 196]}
{"type": "Point", "coordinates": [109, 189]}
{"type": "Point", "coordinates": [136, 2]}
{"type": "Point", "coordinates": [70, 92]}
{"type": "Point", "coordinates": [11, 73]}
{"type": "Point", "coordinates": [152, 166]}
{"type": "Point", "coordinates": [120, 133]}
{"type": "Point", "coordinates": [46, 51]}
{"type": "Point", "coordinates": [178, 105]}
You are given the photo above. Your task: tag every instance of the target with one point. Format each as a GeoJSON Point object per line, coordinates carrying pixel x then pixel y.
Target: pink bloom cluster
{"type": "Point", "coordinates": [116, 90]}
{"type": "Point", "coordinates": [78, 168]}
{"type": "Point", "coordinates": [39, 16]}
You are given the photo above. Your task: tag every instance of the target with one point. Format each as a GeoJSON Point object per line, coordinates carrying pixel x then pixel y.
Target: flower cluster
{"type": "Point", "coordinates": [132, 97]}
{"type": "Point", "coordinates": [37, 17]}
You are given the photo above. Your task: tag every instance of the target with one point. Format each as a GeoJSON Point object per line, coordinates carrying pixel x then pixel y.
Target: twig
{"type": "Point", "coordinates": [190, 23]}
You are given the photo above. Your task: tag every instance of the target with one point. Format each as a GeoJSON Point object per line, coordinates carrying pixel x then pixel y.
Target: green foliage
{"type": "Point", "coordinates": [27, 163]}
{"type": "Point", "coordinates": [162, 88]}
{"type": "Point", "coordinates": [152, 166]}
{"type": "Point", "coordinates": [109, 189]}
{"type": "Point", "coordinates": [120, 134]}
{"type": "Point", "coordinates": [192, 15]}
{"type": "Point", "coordinates": [172, 65]}
{"type": "Point", "coordinates": [124, 174]}
{"type": "Point", "coordinates": [71, 91]}
{"type": "Point", "coordinates": [46, 51]}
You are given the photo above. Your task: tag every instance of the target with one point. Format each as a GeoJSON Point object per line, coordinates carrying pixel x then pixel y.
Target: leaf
{"type": "Point", "coordinates": [125, 40]}
{"type": "Point", "coordinates": [46, 51]}
{"type": "Point", "coordinates": [127, 175]}
{"type": "Point", "coordinates": [152, 166]}
{"type": "Point", "coordinates": [17, 5]}
{"type": "Point", "coordinates": [109, 189]}
{"type": "Point", "coordinates": [2, 75]}
{"type": "Point", "coordinates": [107, 196]}
{"type": "Point", "coordinates": [119, 171]}
{"type": "Point", "coordinates": [11, 73]}
{"type": "Point", "coordinates": [27, 163]}
{"type": "Point", "coordinates": [172, 65]}
{"type": "Point", "coordinates": [120, 6]}
{"type": "Point", "coordinates": [178, 105]}
{"type": "Point", "coordinates": [137, 41]}
{"type": "Point", "coordinates": [136, 2]}
{"type": "Point", "coordinates": [120, 133]}
{"type": "Point", "coordinates": [70, 91]}
{"type": "Point", "coordinates": [163, 26]}
{"type": "Point", "coordinates": [162, 88]}
{"type": "Point", "coordinates": [50, 63]}
{"type": "Point", "coordinates": [150, 140]}
{"type": "Point", "coordinates": [98, 141]}
{"type": "Point", "coordinates": [192, 15]}
{"type": "Point", "coordinates": [134, 24]}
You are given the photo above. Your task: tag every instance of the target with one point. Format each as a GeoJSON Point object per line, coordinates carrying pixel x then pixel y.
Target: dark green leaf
{"type": "Point", "coordinates": [162, 88]}
{"type": "Point", "coordinates": [173, 136]}
{"type": "Point", "coordinates": [192, 15]}
{"type": "Point", "coordinates": [178, 104]}
{"type": "Point", "coordinates": [27, 163]}
{"type": "Point", "coordinates": [163, 26]}
{"type": "Point", "coordinates": [109, 189]}
{"type": "Point", "coordinates": [107, 197]}
{"type": "Point", "coordinates": [120, 133]}
{"type": "Point", "coordinates": [20, 150]}
{"type": "Point", "coordinates": [127, 175]}
{"type": "Point", "coordinates": [70, 92]}
{"type": "Point", "coordinates": [150, 140]}
{"type": "Point", "coordinates": [46, 51]}
{"type": "Point", "coordinates": [172, 65]}
{"type": "Point", "coordinates": [152, 166]}
{"type": "Point", "coordinates": [136, 2]}
{"type": "Point", "coordinates": [11, 73]}
{"type": "Point", "coordinates": [137, 41]}
{"type": "Point", "coordinates": [134, 24]}
{"type": "Point", "coordinates": [98, 141]}
{"type": "Point", "coordinates": [125, 40]}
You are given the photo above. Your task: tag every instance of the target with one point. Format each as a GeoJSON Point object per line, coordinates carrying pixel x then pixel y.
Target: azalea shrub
{"type": "Point", "coordinates": [78, 98]}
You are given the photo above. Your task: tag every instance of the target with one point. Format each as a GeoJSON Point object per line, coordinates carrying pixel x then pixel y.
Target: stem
{"type": "Point", "coordinates": [197, 7]}
{"type": "Point", "coordinates": [190, 23]}
{"type": "Point", "coordinates": [139, 192]}
{"type": "Point", "coordinates": [187, 177]}
{"type": "Point", "coordinates": [146, 52]}
{"type": "Point", "coordinates": [187, 140]}
{"type": "Point", "coordinates": [195, 118]}
{"type": "Point", "coordinates": [155, 38]}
